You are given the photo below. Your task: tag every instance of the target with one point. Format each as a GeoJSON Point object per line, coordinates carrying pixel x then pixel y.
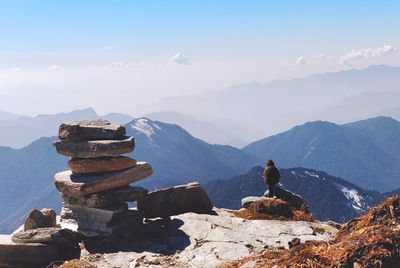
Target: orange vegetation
{"type": "Point", "coordinates": [372, 240]}
{"type": "Point", "coordinates": [273, 209]}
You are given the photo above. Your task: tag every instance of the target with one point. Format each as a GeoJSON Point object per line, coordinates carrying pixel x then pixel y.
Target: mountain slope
{"type": "Point", "coordinates": [365, 152]}
{"type": "Point", "coordinates": [216, 133]}
{"type": "Point", "coordinates": [329, 197]}
{"type": "Point", "coordinates": [176, 156]}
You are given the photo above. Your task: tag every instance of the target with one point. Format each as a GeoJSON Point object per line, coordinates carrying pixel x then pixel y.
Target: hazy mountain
{"type": "Point", "coordinates": [19, 131]}
{"type": "Point", "coordinates": [365, 152]}
{"type": "Point", "coordinates": [267, 108]}
{"type": "Point", "coordinates": [9, 116]}
{"type": "Point", "coordinates": [362, 106]}
{"type": "Point", "coordinates": [26, 175]}
{"type": "Point", "coordinates": [328, 197]}
{"type": "Point", "coordinates": [220, 132]}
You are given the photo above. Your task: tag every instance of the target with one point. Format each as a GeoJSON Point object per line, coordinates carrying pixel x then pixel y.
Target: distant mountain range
{"type": "Point", "coordinates": [18, 131]}
{"type": "Point", "coordinates": [329, 198]}
{"type": "Point", "coordinates": [364, 152]}
{"type": "Point", "coordinates": [26, 175]}
{"type": "Point", "coordinates": [272, 107]}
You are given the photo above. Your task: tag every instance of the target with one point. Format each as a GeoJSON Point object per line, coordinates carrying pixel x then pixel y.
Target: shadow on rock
{"type": "Point", "coordinates": [161, 236]}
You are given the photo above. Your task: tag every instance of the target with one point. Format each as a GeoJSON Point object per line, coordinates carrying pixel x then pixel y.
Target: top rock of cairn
{"type": "Point", "coordinates": [91, 130]}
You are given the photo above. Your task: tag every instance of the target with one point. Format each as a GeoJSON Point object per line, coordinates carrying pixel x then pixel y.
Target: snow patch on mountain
{"type": "Point", "coordinates": [311, 174]}
{"type": "Point", "coordinates": [354, 196]}
{"type": "Point", "coordinates": [145, 126]}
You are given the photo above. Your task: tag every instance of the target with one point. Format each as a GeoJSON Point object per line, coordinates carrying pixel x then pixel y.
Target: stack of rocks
{"type": "Point", "coordinates": [96, 189]}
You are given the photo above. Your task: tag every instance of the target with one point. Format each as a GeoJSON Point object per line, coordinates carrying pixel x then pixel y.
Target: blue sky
{"type": "Point", "coordinates": [168, 48]}
{"type": "Point", "coordinates": [207, 30]}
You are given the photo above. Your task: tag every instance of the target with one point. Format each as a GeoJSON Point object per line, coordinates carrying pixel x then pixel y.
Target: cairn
{"type": "Point", "coordinates": [96, 189]}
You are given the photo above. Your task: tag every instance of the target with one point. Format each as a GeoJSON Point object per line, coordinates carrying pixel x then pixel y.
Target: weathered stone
{"type": "Point", "coordinates": [90, 130]}
{"type": "Point", "coordinates": [50, 235]}
{"type": "Point", "coordinates": [94, 221]}
{"type": "Point", "coordinates": [32, 255]}
{"type": "Point", "coordinates": [95, 148]}
{"type": "Point", "coordinates": [294, 200]}
{"type": "Point", "coordinates": [51, 215]}
{"type": "Point", "coordinates": [107, 198]}
{"type": "Point", "coordinates": [36, 219]}
{"type": "Point", "coordinates": [174, 201]}
{"type": "Point", "coordinates": [100, 164]}
{"type": "Point", "coordinates": [82, 184]}
{"type": "Point", "coordinates": [247, 201]}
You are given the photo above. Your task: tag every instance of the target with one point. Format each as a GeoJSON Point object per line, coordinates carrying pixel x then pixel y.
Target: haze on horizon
{"type": "Point", "coordinates": [126, 56]}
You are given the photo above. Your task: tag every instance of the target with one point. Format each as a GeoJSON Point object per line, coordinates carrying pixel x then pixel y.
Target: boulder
{"type": "Point", "coordinates": [247, 201]}
{"type": "Point", "coordinates": [95, 148]}
{"type": "Point", "coordinates": [174, 201]}
{"type": "Point", "coordinates": [107, 198]}
{"type": "Point", "coordinates": [73, 184]}
{"type": "Point", "coordinates": [94, 221]}
{"type": "Point", "coordinates": [52, 235]}
{"type": "Point", "coordinates": [38, 219]}
{"type": "Point", "coordinates": [32, 255]}
{"type": "Point", "coordinates": [90, 130]}
{"type": "Point", "coordinates": [100, 164]}
{"type": "Point", "coordinates": [294, 200]}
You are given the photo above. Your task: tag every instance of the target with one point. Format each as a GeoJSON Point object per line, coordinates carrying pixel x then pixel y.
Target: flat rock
{"type": "Point", "coordinates": [294, 200]}
{"type": "Point", "coordinates": [95, 148]}
{"type": "Point", "coordinates": [38, 219]}
{"type": "Point", "coordinates": [176, 200]}
{"type": "Point", "coordinates": [32, 255]}
{"type": "Point", "coordinates": [202, 240]}
{"type": "Point", "coordinates": [50, 235]}
{"type": "Point", "coordinates": [73, 184]}
{"type": "Point", "coordinates": [107, 198]}
{"type": "Point", "coordinates": [100, 164]}
{"type": "Point", "coordinates": [247, 201]}
{"type": "Point", "coordinates": [90, 130]}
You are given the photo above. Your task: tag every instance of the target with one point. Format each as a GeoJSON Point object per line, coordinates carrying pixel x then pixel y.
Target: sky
{"type": "Point", "coordinates": [119, 56]}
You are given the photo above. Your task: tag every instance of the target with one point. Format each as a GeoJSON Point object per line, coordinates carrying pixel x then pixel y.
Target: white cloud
{"type": "Point", "coordinates": [179, 58]}
{"type": "Point", "coordinates": [301, 61]}
{"type": "Point", "coordinates": [122, 64]}
{"type": "Point", "coordinates": [366, 53]}
{"type": "Point", "coordinates": [321, 56]}
{"type": "Point", "coordinates": [17, 69]}
{"type": "Point", "coordinates": [108, 48]}
{"type": "Point", "coordinates": [54, 67]}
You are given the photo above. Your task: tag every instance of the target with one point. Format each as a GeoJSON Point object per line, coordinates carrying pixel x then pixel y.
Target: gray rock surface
{"type": "Point", "coordinates": [72, 184]}
{"type": "Point", "coordinates": [90, 130]}
{"type": "Point", "coordinates": [201, 240]}
{"type": "Point", "coordinates": [294, 200]}
{"type": "Point", "coordinates": [176, 200]}
{"type": "Point", "coordinates": [95, 148]}
{"type": "Point", "coordinates": [106, 198]}
{"type": "Point", "coordinates": [32, 255]}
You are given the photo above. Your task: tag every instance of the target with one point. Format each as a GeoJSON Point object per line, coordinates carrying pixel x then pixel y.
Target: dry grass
{"type": "Point", "coordinates": [75, 264]}
{"type": "Point", "coordinates": [372, 240]}
{"type": "Point", "coordinates": [273, 209]}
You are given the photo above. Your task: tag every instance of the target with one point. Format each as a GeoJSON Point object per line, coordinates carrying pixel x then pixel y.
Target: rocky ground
{"type": "Point", "coordinates": [200, 240]}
